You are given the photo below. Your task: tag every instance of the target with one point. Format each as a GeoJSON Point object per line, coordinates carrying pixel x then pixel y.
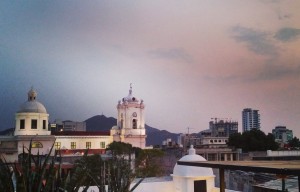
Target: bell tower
{"type": "Point", "coordinates": [130, 121]}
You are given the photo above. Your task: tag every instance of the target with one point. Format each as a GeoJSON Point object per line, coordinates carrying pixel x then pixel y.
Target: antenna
{"type": "Point", "coordinates": [188, 128]}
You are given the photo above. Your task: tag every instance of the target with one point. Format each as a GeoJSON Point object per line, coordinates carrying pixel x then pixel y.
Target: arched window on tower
{"type": "Point", "coordinates": [134, 124]}
{"type": "Point", "coordinates": [121, 126]}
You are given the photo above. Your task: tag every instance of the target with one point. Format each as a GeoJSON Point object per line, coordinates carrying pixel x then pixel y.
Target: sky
{"type": "Point", "coordinates": [189, 61]}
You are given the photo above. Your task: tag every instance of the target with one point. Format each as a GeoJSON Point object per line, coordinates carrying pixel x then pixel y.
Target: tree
{"type": "Point", "coordinates": [120, 148]}
{"type": "Point", "coordinates": [294, 143]}
{"type": "Point", "coordinates": [148, 163]}
{"type": "Point", "coordinates": [253, 140]}
{"type": "Point", "coordinates": [120, 171]}
{"type": "Point", "coordinates": [87, 171]}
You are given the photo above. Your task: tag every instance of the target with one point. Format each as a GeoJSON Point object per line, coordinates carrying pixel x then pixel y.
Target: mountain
{"type": "Point", "coordinates": [100, 123]}
{"type": "Point", "coordinates": [9, 131]}
{"type": "Point", "coordinates": [154, 135]}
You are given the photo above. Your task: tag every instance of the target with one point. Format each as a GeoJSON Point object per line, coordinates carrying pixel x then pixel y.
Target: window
{"type": "Point", "coordinates": [36, 144]}
{"type": "Point", "coordinates": [134, 124]}
{"type": "Point", "coordinates": [122, 122]}
{"type": "Point", "coordinates": [22, 124]}
{"type": "Point", "coordinates": [102, 145]}
{"type": "Point", "coordinates": [57, 145]}
{"type": "Point", "coordinates": [44, 124]}
{"type": "Point", "coordinates": [88, 145]}
{"type": "Point", "coordinates": [73, 145]}
{"type": "Point", "coordinates": [33, 124]}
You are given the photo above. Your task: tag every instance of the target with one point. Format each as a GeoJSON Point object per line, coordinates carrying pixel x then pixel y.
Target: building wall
{"type": "Point", "coordinates": [221, 128]}
{"type": "Point", "coordinates": [129, 111]}
{"type": "Point", "coordinates": [65, 141]}
{"type": "Point", "coordinates": [74, 126]}
{"type": "Point", "coordinates": [282, 134]}
{"type": "Point", "coordinates": [40, 117]}
{"type": "Point", "coordinates": [250, 119]}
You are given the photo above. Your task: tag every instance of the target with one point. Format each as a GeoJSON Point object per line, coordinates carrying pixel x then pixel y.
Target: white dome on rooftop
{"type": "Point", "coordinates": [32, 105]}
{"type": "Point", "coordinates": [191, 171]}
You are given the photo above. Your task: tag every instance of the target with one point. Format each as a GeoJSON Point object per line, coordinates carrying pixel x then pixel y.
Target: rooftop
{"type": "Point", "coordinates": [277, 167]}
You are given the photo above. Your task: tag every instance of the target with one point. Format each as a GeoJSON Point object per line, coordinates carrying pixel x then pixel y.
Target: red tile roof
{"type": "Point", "coordinates": [82, 133]}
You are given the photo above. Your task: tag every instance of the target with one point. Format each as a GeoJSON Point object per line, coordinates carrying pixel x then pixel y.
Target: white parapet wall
{"type": "Point", "coordinates": [271, 153]}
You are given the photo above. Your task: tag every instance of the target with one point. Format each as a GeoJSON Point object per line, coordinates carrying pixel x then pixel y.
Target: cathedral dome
{"type": "Point", "coordinates": [32, 105]}
{"type": "Point", "coordinates": [190, 171]}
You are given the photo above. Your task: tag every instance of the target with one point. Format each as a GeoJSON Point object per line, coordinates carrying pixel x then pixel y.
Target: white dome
{"type": "Point", "coordinates": [191, 171]}
{"type": "Point", "coordinates": [130, 98]}
{"type": "Point", "coordinates": [32, 107]}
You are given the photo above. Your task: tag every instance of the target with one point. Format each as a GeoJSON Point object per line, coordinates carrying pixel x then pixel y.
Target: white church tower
{"type": "Point", "coordinates": [130, 121]}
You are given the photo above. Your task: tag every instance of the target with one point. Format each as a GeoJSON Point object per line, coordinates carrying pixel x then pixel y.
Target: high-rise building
{"type": "Point", "coordinates": [251, 119]}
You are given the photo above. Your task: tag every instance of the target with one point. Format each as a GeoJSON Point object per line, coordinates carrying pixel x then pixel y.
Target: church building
{"type": "Point", "coordinates": [31, 125]}
{"type": "Point", "coordinates": [32, 120]}
{"type": "Point", "coordinates": [130, 126]}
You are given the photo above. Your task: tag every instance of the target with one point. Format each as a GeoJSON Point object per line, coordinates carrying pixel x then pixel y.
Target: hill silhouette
{"type": "Point", "coordinates": [154, 135]}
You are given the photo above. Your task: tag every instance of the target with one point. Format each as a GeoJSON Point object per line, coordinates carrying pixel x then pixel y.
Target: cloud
{"type": "Point", "coordinates": [270, 1]}
{"type": "Point", "coordinates": [284, 16]}
{"type": "Point", "coordinates": [256, 41]}
{"type": "Point", "coordinates": [178, 54]}
{"type": "Point", "coordinates": [287, 34]}
{"type": "Point", "coordinates": [275, 70]}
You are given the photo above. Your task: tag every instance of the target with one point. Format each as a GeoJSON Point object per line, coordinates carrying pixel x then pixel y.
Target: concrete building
{"type": "Point", "coordinates": [130, 126]}
{"type": "Point", "coordinates": [74, 126]}
{"type": "Point", "coordinates": [282, 134]}
{"type": "Point", "coordinates": [223, 128]}
{"type": "Point", "coordinates": [250, 119]}
{"type": "Point", "coordinates": [211, 148]}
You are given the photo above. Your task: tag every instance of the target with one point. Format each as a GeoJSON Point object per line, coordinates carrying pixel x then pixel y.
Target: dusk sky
{"type": "Point", "coordinates": [189, 61]}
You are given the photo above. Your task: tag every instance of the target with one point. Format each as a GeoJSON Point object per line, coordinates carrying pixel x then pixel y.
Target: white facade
{"type": "Point", "coordinates": [31, 126]}
{"type": "Point", "coordinates": [184, 178]}
{"type": "Point", "coordinates": [32, 118]}
{"type": "Point", "coordinates": [130, 122]}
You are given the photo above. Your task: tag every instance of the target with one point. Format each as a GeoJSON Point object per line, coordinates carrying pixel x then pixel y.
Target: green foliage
{"type": "Point", "coordinates": [120, 148]}
{"type": "Point", "coordinates": [6, 174]}
{"type": "Point", "coordinates": [294, 143]}
{"type": "Point", "coordinates": [86, 172]}
{"type": "Point", "coordinates": [34, 173]}
{"type": "Point", "coordinates": [148, 163]}
{"type": "Point", "coordinates": [253, 140]}
{"type": "Point", "coordinates": [37, 173]}
{"type": "Point", "coordinates": [115, 171]}
{"type": "Point", "coordinates": [119, 167]}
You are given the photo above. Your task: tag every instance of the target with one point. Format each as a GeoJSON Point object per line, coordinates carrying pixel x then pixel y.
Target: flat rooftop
{"type": "Point", "coordinates": [276, 167]}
